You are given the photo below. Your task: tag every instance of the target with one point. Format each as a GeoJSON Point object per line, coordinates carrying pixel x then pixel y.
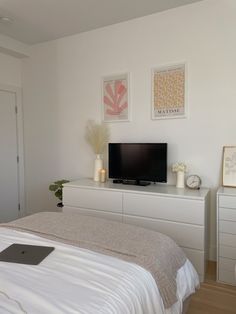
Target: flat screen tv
{"type": "Point", "coordinates": [137, 163]}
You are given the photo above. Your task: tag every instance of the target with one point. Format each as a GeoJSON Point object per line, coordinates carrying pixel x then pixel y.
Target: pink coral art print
{"type": "Point", "coordinates": [115, 98]}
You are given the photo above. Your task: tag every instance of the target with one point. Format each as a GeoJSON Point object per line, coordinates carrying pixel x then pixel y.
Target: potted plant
{"type": "Point", "coordinates": [180, 168]}
{"type": "Point", "coordinates": [57, 187]}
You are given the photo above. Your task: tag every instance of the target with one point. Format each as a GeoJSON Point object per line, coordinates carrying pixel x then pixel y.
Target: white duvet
{"type": "Point", "coordinates": [73, 280]}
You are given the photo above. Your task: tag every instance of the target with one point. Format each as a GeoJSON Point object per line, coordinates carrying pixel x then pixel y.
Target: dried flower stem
{"type": "Point", "coordinates": [97, 135]}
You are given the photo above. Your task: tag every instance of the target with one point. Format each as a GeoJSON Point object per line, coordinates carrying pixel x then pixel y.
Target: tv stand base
{"type": "Point", "coordinates": [132, 182]}
{"type": "Point", "coordinates": [117, 181]}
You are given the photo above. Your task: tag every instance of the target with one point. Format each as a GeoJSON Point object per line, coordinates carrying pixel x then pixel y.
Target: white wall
{"type": "Point", "coordinates": [10, 73]}
{"type": "Point", "coordinates": [11, 52]}
{"type": "Point", "coordinates": [13, 47]}
{"type": "Point", "coordinates": [62, 90]}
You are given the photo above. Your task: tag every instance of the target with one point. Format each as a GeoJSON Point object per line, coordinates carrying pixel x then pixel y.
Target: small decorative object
{"type": "Point", "coordinates": [57, 187]}
{"type": "Point", "coordinates": [168, 92]}
{"type": "Point", "coordinates": [115, 98]}
{"type": "Point", "coordinates": [193, 182]}
{"type": "Point", "coordinates": [180, 169]}
{"type": "Point", "coordinates": [229, 166]}
{"type": "Point", "coordinates": [97, 135]}
{"type": "Point", "coordinates": [103, 175]}
{"type": "Point", "coordinates": [98, 164]}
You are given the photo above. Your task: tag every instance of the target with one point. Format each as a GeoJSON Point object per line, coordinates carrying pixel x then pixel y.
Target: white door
{"type": "Point", "coordinates": [9, 191]}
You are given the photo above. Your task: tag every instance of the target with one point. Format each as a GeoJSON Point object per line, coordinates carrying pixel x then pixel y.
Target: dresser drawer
{"type": "Point", "coordinates": [173, 209]}
{"type": "Point", "coordinates": [227, 214]}
{"type": "Point", "coordinates": [227, 239]}
{"type": "Point", "coordinates": [92, 199]}
{"type": "Point", "coordinates": [185, 235]}
{"type": "Point", "coordinates": [93, 212]}
{"type": "Point", "coordinates": [227, 264]}
{"type": "Point", "coordinates": [227, 277]}
{"type": "Point", "coordinates": [227, 226]}
{"type": "Point", "coordinates": [227, 201]}
{"type": "Point", "coordinates": [227, 251]}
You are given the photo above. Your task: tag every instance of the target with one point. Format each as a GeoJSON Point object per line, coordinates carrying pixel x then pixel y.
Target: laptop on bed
{"type": "Point", "coordinates": [25, 254]}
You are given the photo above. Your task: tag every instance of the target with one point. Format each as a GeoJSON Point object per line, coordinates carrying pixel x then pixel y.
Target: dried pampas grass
{"type": "Point", "coordinates": [97, 135]}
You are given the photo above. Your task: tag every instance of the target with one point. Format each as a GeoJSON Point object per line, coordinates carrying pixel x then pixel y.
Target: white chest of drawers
{"type": "Point", "coordinates": [226, 235]}
{"type": "Point", "coordinates": [178, 213]}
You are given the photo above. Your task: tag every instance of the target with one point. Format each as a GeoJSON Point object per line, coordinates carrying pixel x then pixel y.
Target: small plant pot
{"type": "Point", "coordinates": [60, 204]}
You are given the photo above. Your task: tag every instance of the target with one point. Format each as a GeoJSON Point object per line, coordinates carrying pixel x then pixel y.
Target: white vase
{"type": "Point", "coordinates": [98, 165]}
{"type": "Point", "coordinates": [180, 179]}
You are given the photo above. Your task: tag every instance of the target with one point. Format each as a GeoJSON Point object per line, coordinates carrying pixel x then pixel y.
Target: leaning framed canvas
{"type": "Point", "coordinates": [229, 166]}
{"type": "Point", "coordinates": [169, 92]}
{"type": "Point", "coordinates": [116, 98]}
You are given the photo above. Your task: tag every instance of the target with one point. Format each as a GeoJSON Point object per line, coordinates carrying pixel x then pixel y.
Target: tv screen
{"type": "Point", "coordinates": [138, 161]}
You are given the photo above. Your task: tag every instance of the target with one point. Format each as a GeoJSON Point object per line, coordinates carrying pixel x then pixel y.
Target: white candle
{"type": "Point", "coordinates": [103, 175]}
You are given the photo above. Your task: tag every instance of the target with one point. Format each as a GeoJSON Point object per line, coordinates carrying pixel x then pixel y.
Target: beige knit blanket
{"type": "Point", "coordinates": [151, 250]}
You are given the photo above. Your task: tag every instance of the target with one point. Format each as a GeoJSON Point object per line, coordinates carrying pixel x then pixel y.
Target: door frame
{"type": "Point", "coordinates": [17, 91]}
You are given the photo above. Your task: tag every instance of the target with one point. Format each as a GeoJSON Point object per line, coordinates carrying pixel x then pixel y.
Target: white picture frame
{"type": "Point", "coordinates": [116, 98]}
{"type": "Point", "coordinates": [169, 92]}
{"type": "Point", "coordinates": [229, 166]}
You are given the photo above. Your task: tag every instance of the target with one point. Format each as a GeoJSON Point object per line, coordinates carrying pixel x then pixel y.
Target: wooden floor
{"type": "Point", "coordinates": [212, 297]}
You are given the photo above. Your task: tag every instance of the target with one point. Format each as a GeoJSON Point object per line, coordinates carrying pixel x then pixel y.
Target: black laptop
{"type": "Point", "coordinates": [25, 254]}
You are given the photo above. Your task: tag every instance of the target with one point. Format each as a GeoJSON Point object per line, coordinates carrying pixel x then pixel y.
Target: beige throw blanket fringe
{"type": "Point", "coordinates": [151, 250]}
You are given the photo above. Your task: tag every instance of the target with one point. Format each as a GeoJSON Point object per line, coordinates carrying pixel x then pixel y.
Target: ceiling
{"type": "Point", "coordinates": [35, 21]}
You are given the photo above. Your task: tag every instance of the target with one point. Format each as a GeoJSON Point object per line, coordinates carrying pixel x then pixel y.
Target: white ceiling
{"type": "Point", "coordinates": [36, 21]}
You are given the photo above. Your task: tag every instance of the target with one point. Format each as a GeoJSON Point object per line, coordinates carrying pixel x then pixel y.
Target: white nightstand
{"type": "Point", "coordinates": [226, 235]}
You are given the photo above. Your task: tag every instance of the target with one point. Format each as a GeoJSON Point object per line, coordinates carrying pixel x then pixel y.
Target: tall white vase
{"type": "Point", "coordinates": [180, 179]}
{"type": "Point", "coordinates": [98, 165]}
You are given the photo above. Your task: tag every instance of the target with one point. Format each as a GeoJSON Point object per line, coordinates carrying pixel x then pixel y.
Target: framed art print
{"type": "Point", "coordinates": [115, 98]}
{"type": "Point", "coordinates": [229, 166]}
{"type": "Point", "coordinates": [169, 92]}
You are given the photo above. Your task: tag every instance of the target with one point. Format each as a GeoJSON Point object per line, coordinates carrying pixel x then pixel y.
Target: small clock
{"type": "Point", "coordinates": [193, 182]}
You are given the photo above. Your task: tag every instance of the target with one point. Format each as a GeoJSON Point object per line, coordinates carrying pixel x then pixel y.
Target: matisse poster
{"type": "Point", "coordinates": [168, 92]}
{"type": "Point", "coordinates": [115, 98]}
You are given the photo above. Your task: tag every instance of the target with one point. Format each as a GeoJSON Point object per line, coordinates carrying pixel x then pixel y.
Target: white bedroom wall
{"type": "Point", "coordinates": [12, 47]}
{"type": "Point", "coordinates": [11, 54]}
{"type": "Point", "coordinates": [10, 73]}
{"type": "Point", "coordinates": [62, 90]}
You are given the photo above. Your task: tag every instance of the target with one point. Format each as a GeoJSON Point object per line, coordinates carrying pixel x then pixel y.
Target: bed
{"type": "Point", "coordinates": [98, 266]}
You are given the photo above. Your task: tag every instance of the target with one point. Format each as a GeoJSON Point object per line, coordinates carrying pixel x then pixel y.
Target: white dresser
{"type": "Point", "coordinates": [178, 213]}
{"type": "Point", "coordinates": [226, 235]}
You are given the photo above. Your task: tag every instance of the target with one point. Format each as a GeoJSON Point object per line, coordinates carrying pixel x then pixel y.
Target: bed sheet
{"type": "Point", "coordinates": [72, 280]}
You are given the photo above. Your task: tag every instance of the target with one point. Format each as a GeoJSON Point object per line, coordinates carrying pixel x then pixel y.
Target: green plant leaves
{"type": "Point", "coordinates": [60, 182]}
{"type": "Point", "coordinates": [58, 194]}
{"type": "Point", "coordinates": [53, 187]}
{"type": "Point", "coordinates": [57, 187]}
